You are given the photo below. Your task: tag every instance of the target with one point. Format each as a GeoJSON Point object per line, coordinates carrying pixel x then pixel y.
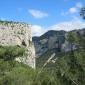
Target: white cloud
{"type": "Point", "coordinates": [37, 13]}
{"type": "Point", "coordinates": [37, 30]}
{"type": "Point", "coordinates": [67, 26]}
{"type": "Point", "coordinates": [73, 10]}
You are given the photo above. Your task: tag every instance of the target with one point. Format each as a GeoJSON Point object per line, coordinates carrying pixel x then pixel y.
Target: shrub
{"type": "Point", "coordinates": [10, 52]}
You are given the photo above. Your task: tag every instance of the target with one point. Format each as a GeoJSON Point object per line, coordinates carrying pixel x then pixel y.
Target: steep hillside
{"type": "Point", "coordinates": [49, 40]}
{"type": "Point", "coordinates": [57, 40]}
{"type": "Point", "coordinates": [67, 66]}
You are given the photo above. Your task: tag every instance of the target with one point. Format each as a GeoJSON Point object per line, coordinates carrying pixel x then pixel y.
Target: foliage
{"type": "Point", "coordinates": [23, 75]}
{"type": "Point", "coordinates": [82, 12]}
{"type": "Point", "coordinates": [72, 37]}
{"type": "Point", "coordinates": [10, 52]}
{"type": "Point", "coordinates": [69, 71]}
{"type": "Point", "coordinates": [12, 23]}
{"type": "Point", "coordinates": [69, 68]}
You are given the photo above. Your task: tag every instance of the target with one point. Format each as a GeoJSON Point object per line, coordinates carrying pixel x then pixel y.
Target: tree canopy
{"type": "Point", "coordinates": [82, 12]}
{"type": "Point", "coordinates": [10, 52]}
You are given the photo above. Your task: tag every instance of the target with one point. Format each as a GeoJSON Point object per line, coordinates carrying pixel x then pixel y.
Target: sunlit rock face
{"type": "Point", "coordinates": [15, 33]}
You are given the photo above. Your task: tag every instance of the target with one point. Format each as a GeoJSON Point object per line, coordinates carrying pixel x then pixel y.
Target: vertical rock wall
{"type": "Point", "coordinates": [13, 33]}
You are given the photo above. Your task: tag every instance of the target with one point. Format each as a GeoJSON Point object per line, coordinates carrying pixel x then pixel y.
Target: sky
{"type": "Point", "coordinates": [44, 15]}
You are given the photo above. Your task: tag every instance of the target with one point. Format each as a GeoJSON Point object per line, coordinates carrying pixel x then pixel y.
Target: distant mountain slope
{"type": "Point", "coordinates": [50, 40]}
{"type": "Point", "coordinates": [54, 40]}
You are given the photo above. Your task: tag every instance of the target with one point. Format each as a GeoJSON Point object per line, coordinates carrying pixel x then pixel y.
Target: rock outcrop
{"type": "Point", "coordinates": [50, 40]}
{"type": "Point", "coordinates": [55, 40]}
{"type": "Point", "coordinates": [15, 33]}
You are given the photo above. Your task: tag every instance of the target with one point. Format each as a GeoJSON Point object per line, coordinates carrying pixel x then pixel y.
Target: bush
{"type": "Point", "coordinates": [10, 52]}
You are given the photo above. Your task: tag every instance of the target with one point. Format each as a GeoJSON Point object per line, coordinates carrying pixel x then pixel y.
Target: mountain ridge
{"type": "Point", "coordinates": [54, 40]}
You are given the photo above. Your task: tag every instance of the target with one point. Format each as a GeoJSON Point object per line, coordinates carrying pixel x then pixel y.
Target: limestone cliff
{"type": "Point", "coordinates": [48, 41]}
{"type": "Point", "coordinates": [56, 41]}
{"type": "Point", "coordinates": [15, 33]}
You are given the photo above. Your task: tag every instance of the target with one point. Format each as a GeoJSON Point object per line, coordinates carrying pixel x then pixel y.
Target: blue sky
{"type": "Point", "coordinates": [43, 13]}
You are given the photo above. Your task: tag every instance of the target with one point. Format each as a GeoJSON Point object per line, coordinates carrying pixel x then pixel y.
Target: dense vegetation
{"type": "Point", "coordinates": [69, 68]}
{"type": "Point", "coordinates": [12, 23]}
{"type": "Point", "coordinates": [11, 52]}
{"type": "Point", "coordinates": [82, 12]}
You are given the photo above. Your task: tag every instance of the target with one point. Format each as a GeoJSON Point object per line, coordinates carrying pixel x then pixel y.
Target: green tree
{"type": "Point", "coordinates": [11, 52]}
{"type": "Point", "coordinates": [82, 12]}
{"type": "Point", "coordinates": [72, 39]}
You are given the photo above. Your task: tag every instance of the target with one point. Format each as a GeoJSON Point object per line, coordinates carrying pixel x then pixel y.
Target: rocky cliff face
{"type": "Point", "coordinates": [14, 33]}
{"type": "Point", "coordinates": [54, 40]}
{"type": "Point", "coordinates": [50, 40]}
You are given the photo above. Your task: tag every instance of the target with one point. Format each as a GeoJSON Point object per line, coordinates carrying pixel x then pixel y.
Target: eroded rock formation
{"type": "Point", "coordinates": [15, 33]}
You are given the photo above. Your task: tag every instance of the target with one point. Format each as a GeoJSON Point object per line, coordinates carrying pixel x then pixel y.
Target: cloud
{"type": "Point", "coordinates": [37, 13]}
{"type": "Point", "coordinates": [67, 26]}
{"type": "Point", "coordinates": [37, 30]}
{"type": "Point", "coordinates": [73, 10]}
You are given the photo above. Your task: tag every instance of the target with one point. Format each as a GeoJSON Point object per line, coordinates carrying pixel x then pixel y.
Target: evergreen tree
{"type": "Point", "coordinates": [82, 12]}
